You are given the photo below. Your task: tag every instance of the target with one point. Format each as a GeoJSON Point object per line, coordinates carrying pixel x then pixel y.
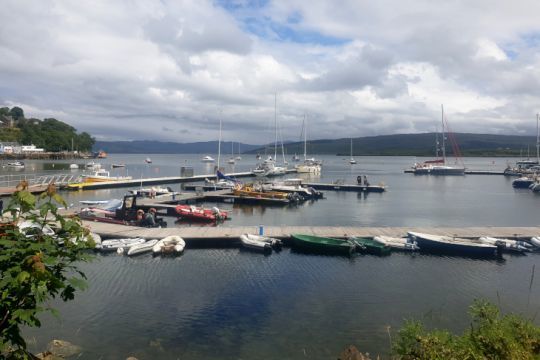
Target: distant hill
{"type": "Point", "coordinates": [394, 145]}
{"type": "Point", "coordinates": [158, 147]}
{"type": "Point", "coordinates": [415, 145]}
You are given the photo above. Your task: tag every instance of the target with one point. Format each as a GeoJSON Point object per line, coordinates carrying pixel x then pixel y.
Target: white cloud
{"type": "Point", "coordinates": [360, 68]}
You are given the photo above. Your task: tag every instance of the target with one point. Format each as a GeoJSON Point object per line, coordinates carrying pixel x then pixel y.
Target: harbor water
{"type": "Point", "coordinates": [227, 303]}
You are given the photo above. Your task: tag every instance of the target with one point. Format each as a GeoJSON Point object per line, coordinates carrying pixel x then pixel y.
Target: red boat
{"type": "Point", "coordinates": [191, 212]}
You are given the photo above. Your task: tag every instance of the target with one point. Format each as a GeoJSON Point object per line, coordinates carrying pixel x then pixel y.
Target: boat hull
{"type": "Point", "coordinates": [322, 245]}
{"type": "Point", "coordinates": [431, 245]}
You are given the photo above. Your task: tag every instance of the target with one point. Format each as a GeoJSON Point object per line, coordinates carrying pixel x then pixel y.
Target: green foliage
{"type": "Point", "coordinates": [491, 336]}
{"type": "Point", "coordinates": [50, 134]}
{"type": "Point", "coordinates": [36, 267]}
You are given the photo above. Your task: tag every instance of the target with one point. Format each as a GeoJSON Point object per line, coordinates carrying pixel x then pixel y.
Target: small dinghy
{"type": "Point", "coordinates": [195, 213]}
{"type": "Point", "coordinates": [397, 243]}
{"type": "Point", "coordinates": [452, 245]}
{"type": "Point", "coordinates": [142, 248]}
{"type": "Point", "coordinates": [536, 241]}
{"type": "Point", "coordinates": [255, 243]}
{"type": "Point", "coordinates": [115, 244]}
{"type": "Point", "coordinates": [506, 244]}
{"type": "Point", "coordinates": [276, 244]}
{"type": "Point", "coordinates": [169, 245]}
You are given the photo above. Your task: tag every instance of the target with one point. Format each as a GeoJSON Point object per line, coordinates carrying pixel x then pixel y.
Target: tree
{"type": "Point", "coordinates": [16, 113]}
{"type": "Point", "coordinates": [36, 265]}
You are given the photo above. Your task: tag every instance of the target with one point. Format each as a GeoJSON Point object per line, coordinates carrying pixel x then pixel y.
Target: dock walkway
{"type": "Point", "coordinates": [201, 234]}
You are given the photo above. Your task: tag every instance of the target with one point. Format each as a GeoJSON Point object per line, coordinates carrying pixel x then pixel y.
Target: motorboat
{"type": "Point", "coordinates": [398, 243]}
{"type": "Point", "coordinates": [15, 165]}
{"type": "Point", "coordinates": [250, 191]}
{"type": "Point", "coordinates": [148, 160]}
{"type": "Point", "coordinates": [146, 246]}
{"type": "Point", "coordinates": [115, 244]}
{"type": "Point", "coordinates": [93, 166]}
{"type": "Point", "coordinates": [208, 159]}
{"type": "Point", "coordinates": [276, 244]}
{"type": "Point", "coordinates": [190, 212]}
{"type": "Point", "coordinates": [506, 244]}
{"type": "Point", "coordinates": [169, 245]}
{"type": "Point", "coordinates": [118, 166]}
{"type": "Point", "coordinates": [453, 245]}
{"type": "Point", "coordinates": [293, 186]}
{"type": "Point", "coordinates": [152, 192]}
{"type": "Point", "coordinates": [102, 175]}
{"type": "Point", "coordinates": [536, 241]}
{"type": "Point", "coordinates": [523, 182]}
{"type": "Point", "coordinates": [74, 166]}
{"type": "Point", "coordinates": [253, 243]}
{"type": "Point", "coordinates": [322, 244]}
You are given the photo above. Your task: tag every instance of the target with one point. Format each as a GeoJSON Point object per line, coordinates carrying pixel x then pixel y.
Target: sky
{"type": "Point", "coordinates": [171, 70]}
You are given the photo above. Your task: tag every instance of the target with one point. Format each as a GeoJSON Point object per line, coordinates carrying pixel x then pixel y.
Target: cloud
{"type": "Point", "coordinates": [170, 70]}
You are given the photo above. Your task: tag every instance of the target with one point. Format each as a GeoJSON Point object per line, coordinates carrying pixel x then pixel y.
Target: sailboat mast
{"type": "Point", "coordinates": [537, 141]}
{"type": "Point", "coordinates": [219, 144]}
{"type": "Point", "coordinates": [275, 126]}
{"type": "Point", "coordinates": [305, 137]}
{"type": "Point", "coordinates": [443, 135]}
{"type": "Point", "coordinates": [351, 148]}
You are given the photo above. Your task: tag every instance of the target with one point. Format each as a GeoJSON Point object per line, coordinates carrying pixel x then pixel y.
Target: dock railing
{"type": "Point", "coordinates": [11, 180]}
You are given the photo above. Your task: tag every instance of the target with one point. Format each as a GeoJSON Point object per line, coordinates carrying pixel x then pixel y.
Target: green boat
{"type": "Point", "coordinates": [321, 244]}
{"type": "Point", "coordinates": [370, 246]}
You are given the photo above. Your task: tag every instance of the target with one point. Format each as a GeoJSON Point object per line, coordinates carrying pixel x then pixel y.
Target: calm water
{"type": "Point", "coordinates": [232, 304]}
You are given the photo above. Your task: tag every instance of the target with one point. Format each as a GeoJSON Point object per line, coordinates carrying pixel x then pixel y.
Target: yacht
{"type": "Point", "coordinates": [310, 166]}
{"type": "Point", "coordinates": [208, 159]}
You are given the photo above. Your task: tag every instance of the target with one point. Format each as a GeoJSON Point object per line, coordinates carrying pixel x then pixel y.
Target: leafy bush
{"type": "Point", "coordinates": [36, 265]}
{"type": "Point", "coordinates": [491, 336]}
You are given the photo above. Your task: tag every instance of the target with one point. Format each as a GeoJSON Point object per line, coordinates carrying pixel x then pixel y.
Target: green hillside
{"type": "Point", "coordinates": [414, 145]}
{"type": "Point", "coordinates": [50, 134]}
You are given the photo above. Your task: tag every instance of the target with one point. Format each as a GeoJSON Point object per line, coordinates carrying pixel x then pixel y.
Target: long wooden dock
{"type": "Point", "coordinates": [195, 234]}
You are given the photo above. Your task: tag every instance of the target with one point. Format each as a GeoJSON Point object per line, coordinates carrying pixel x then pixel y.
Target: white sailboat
{"type": "Point", "coordinates": [444, 169]}
{"type": "Point", "coordinates": [232, 160]}
{"type": "Point", "coordinates": [310, 166]}
{"type": "Point", "coordinates": [352, 161]}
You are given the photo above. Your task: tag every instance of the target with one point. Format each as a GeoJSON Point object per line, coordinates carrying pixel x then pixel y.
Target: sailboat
{"type": "Point", "coordinates": [439, 166]}
{"type": "Point", "coordinates": [232, 160]}
{"type": "Point", "coordinates": [238, 157]}
{"type": "Point", "coordinates": [310, 166]}
{"type": "Point", "coordinates": [352, 161]}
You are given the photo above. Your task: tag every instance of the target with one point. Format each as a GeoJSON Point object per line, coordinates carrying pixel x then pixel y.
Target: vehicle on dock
{"type": "Point", "coordinates": [320, 244]}
{"type": "Point", "coordinates": [369, 246]}
{"type": "Point", "coordinates": [452, 245]}
{"type": "Point", "coordinates": [194, 213]}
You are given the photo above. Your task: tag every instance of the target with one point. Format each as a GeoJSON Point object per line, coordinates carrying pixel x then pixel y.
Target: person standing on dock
{"type": "Point", "coordinates": [366, 183]}
{"type": "Point", "coordinates": [359, 179]}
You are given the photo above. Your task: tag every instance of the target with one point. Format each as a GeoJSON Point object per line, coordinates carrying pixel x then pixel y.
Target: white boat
{"type": "Point", "coordinates": [102, 175]}
{"type": "Point", "coordinates": [93, 166]}
{"type": "Point", "coordinates": [15, 165]}
{"type": "Point", "coordinates": [31, 228]}
{"type": "Point", "coordinates": [255, 243]}
{"type": "Point", "coordinates": [169, 245]}
{"type": "Point", "coordinates": [93, 202]}
{"type": "Point", "coordinates": [73, 166]}
{"type": "Point", "coordinates": [536, 241]}
{"type": "Point", "coordinates": [310, 166]}
{"type": "Point", "coordinates": [154, 191]}
{"type": "Point", "coordinates": [506, 244]}
{"type": "Point", "coordinates": [448, 244]}
{"type": "Point", "coordinates": [292, 186]}
{"type": "Point", "coordinates": [398, 243]}
{"type": "Point", "coordinates": [148, 160]}
{"type": "Point", "coordinates": [352, 161]}
{"type": "Point", "coordinates": [115, 244]}
{"type": "Point", "coordinates": [142, 248]}
{"type": "Point", "coordinates": [208, 159]}
{"type": "Point", "coordinates": [275, 243]}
